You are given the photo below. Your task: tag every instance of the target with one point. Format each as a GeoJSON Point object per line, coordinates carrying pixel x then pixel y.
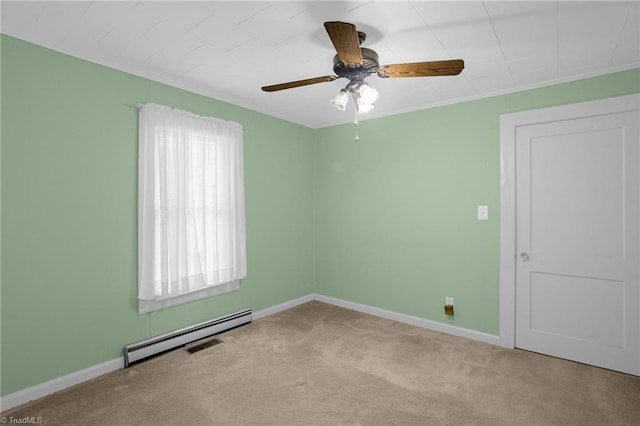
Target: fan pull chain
{"type": "Point", "coordinates": [355, 123]}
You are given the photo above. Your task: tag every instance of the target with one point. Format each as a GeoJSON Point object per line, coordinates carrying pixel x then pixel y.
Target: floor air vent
{"type": "Point", "coordinates": [203, 345]}
{"type": "Point", "coordinates": [144, 349]}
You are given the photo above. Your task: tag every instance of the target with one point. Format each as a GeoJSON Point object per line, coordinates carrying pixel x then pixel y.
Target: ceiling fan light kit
{"type": "Point", "coordinates": [356, 63]}
{"type": "Point", "coordinates": [363, 95]}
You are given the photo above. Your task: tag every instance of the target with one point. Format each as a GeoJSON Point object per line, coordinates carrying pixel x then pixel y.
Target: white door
{"type": "Point", "coordinates": [577, 247]}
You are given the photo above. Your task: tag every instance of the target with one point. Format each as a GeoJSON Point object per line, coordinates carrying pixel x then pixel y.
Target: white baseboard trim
{"type": "Point", "coordinates": [15, 399]}
{"type": "Point", "coordinates": [282, 306]}
{"type": "Point", "coordinates": [47, 388]}
{"type": "Point", "coordinates": [411, 320]}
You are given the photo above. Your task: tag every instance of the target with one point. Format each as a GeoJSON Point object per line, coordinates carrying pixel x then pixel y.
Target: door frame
{"type": "Point", "coordinates": [509, 124]}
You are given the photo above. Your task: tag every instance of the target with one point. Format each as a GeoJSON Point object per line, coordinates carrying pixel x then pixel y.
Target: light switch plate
{"type": "Point", "coordinates": [483, 212]}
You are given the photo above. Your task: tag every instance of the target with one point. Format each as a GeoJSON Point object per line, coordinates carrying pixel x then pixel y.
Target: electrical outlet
{"type": "Point", "coordinates": [448, 306]}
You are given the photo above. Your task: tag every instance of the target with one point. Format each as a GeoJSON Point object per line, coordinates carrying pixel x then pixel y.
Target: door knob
{"type": "Point", "coordinates": [525, 256]}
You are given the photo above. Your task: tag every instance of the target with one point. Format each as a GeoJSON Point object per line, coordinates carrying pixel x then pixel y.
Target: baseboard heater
{"type": "Point", "coordinates": [144, 349]}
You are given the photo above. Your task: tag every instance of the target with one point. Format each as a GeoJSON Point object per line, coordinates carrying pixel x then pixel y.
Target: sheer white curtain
{"type": "Point", "coordinates": [191, 222]}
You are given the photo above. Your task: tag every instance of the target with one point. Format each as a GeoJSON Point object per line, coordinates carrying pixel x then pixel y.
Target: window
{"type": "Point", "coordinates": [191, 222]}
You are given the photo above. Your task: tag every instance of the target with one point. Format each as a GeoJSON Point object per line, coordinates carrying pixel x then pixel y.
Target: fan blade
{"type": "Point", "coordinates": [422, 69]}
{"type": "Point", "coordinates": [345, 40]}
{"type": "Point", "coordinates": [306, 82]}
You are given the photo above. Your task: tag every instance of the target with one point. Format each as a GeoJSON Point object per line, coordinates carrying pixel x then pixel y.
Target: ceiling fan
{"type": "Point", "coordinates": [356, 63]}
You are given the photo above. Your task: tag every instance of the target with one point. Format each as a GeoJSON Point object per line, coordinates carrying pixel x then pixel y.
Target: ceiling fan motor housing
{"type": "Point", "coordinates": [368, 66]}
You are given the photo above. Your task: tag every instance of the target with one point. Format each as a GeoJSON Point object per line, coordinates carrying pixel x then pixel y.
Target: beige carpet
{"type": "Point", "coordinates": [318, 364]}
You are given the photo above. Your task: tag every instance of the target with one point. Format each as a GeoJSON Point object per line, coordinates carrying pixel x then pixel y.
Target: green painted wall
{"type": "Point", "coordinates": [396, 223]}
{"type": "Point", "coordinates": [69, 196]}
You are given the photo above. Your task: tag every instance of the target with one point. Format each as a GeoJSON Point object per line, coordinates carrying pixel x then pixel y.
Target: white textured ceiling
{"type": "Point", "coordinates": [228, 50]}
